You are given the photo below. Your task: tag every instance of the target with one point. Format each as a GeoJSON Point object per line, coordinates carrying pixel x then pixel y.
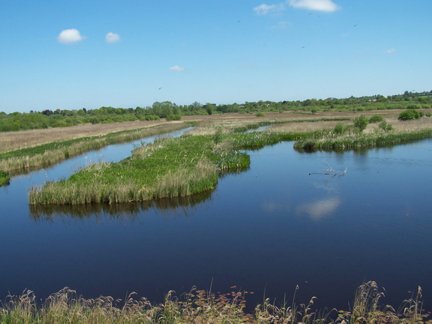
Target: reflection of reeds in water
{"type": "Point", "coordinates": [200, 306]}
{"type": "Point", "coordinates": [4, 178]}
{"type": "Point", "coordinates": [131, 210]}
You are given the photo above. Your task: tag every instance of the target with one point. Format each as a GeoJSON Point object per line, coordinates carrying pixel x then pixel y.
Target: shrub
{"type": "Point", "coordinates": [173, 117]}
{"type": "Point", "coordinates": [361, 123]}
{"type": "Point", "coordinates": [339, 129]}
{"type": "Point", "coordinates": [410, 114]}
{"type": "Point", "coordinates": [376, 119]}
{"type": "Point", "coordinates": [218, 136]}
{"type": "Point", "coordinates": [385, 126]}
{"type": "Point", "coordinates": [412, 107]}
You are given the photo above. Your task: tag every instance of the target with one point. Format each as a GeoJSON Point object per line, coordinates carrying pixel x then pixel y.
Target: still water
{"type": "Point", "coordinates": [280, 224]}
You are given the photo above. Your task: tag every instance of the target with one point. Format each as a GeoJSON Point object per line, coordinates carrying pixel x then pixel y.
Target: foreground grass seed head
{"type": "Point", "coordinates": [199, 306]}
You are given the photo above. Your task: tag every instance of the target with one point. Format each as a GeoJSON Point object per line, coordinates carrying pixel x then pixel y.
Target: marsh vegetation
{"type": "Point", "coordinates": [357, 141]}
{"type": "Point", "coordinates": [41, 156]}
{"type": "Point", "coordinates": [201, 306]}
{"type": "Point", "coordinates": [168, 168]}
{"type": "Point", "coordinates": [172, 168]}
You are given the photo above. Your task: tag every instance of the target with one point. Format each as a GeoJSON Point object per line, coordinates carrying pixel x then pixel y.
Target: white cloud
{"type": "Point", "coordinates": [265, 9]}
{"type": "Point", "coordinates": [112, 37]}
{"type": "Point", "coordinates": [176, 68]}
{"type": "Point", "coordinates": [317, 5]}
{"type": "Point", "coordinates": [390, 51]}
{"type": "Point", "coordinates": [69, 36]}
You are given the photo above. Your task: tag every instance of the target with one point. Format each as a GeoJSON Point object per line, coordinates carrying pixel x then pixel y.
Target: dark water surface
{"type": "Point", "coordinates": [267, 229]}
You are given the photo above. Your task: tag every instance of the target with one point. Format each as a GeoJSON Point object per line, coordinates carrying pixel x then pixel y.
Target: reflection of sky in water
{"type": "Point", "coordinates": [322, 200]}
{"type": "Point", "coordinates": [320, 208]}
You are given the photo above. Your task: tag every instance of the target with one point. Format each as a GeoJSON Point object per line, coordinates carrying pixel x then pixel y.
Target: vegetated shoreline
{"type": "Point", "coordinates": [200, 306]}
{"type": "Point", "coordinates": [359, 142]}
{"type": "Point", "coordinates": [41, 156]}
{"type": "Point", "coordinates": [182, 167]}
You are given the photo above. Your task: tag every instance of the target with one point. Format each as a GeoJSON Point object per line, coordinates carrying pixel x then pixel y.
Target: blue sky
{"type": "Point", "coordinates": [55, 53]}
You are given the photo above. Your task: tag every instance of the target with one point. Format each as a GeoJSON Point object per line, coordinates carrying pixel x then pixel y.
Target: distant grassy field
{"type": "Point", "coordinates": [286, 121]}
{"type": "Point", "coordinates": [27, 159]}
{"type": "Point", "coordinates": [11, 141]}
{"type": "Point", "coordinates": [170, 111]}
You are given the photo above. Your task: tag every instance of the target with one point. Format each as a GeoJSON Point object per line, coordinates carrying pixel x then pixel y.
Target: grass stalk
{"type": "Point", "coordinates": [200, 306]}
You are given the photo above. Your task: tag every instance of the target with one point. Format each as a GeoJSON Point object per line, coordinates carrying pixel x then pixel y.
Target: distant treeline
{"type": "Point", "coordinates": [62, 118]}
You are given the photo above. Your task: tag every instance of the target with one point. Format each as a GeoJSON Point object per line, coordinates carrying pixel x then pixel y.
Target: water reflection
{"type": "Point", "coordinates": [319, 209]}
{"type": "Point", "coordinates": [273, 207]}
{"type": "Point", "coordinates": [132, 210]}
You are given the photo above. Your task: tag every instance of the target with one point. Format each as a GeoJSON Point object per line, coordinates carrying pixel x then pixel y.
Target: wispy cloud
{"type": "Point", "coordinates": [316, 5]}
{"type": "Point", "coordinates": [112, 38]}
{"type": "Point", "coordinates": [265, 9]}
{"type": "Point", "coordinates": [390, 51]}
{"type": "Point", "coordinates": [176, 68]}
{"type": "Point", "coordinates": [281, 25]}
{"type": "Point", "coordinates": [69, 36]}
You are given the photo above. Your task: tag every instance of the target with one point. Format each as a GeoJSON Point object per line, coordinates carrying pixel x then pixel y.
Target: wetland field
{"type": "Point", "coordinates": [276, 216]}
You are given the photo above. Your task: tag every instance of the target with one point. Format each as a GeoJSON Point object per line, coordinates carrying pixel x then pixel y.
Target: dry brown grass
{"type": "Point", "coordinates": [35, 159]}
{"type": "Point", "coordinates": [285, 121]}
{"type": "Point", "coordinates": [16, 140]}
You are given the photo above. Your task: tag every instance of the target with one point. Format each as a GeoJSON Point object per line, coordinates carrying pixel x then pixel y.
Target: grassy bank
{"type": "Point", "coordinates": [41, 156]}
{"type": "Point", "coordinates": [359, 141]}
{"type": "Point", "coordinates": [4, 178]}
{"type": "Point", "coordinates": [168, 168]}
{"type": "Point", "coordinates": [200, 306]}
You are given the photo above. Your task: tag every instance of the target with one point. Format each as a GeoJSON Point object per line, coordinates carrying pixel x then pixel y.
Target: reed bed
{"type": "Point", "coordinates": [200, 306]}
{"type": "Point", "coordinates": [38, 157]}
{"type": "Point", "coordinates": [168, 168]}
{"type": "Point", "coordinates": [4, 178]}
{"type": "Point", "coordinates": [359, 141]}
{"type": "Point", "coordinates": [255, 141]}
